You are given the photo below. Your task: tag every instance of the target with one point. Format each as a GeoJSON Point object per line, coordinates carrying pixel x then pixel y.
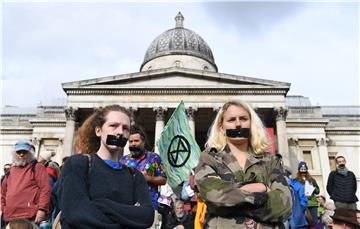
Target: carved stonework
{"type": "Point", "coordinates": [191, 113]}
{"type": "Point", "coordinates": [71, 113]}
{"type": "Point", "coordinates": [293, 141]}
{"type": "Point", "coordinates": [178, 91]}
{"type": "Point", "coordinates": [280, 113]}
{"type": "Point", "coordinates": [160, 114]}
{"type": "Point", "coordinates": [322, 141]}
{"type": "Point", "coordinates": [36, 141]}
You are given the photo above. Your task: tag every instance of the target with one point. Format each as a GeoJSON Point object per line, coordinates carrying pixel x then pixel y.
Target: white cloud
{"type": "Point", "coordinates": [312, 46]}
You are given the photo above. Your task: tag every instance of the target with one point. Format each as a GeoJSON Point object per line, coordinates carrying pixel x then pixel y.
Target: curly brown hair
{"type": "Point", "coordinates": [86, 139]}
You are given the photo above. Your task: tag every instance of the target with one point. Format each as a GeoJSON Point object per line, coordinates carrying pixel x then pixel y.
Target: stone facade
{"type": "Point", "coordinates": [302, 132]}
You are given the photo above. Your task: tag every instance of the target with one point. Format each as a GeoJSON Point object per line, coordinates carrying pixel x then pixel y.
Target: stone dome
{"type": "Point", "coordinates": [179, 41]}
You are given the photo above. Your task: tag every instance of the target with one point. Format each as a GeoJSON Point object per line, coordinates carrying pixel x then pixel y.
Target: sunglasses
{"type": "Point", "coordinates": [22, 152]}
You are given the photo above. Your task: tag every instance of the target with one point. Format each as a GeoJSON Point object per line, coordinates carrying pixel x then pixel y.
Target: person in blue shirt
{"type": "Point", "coordinates": [299, 206]}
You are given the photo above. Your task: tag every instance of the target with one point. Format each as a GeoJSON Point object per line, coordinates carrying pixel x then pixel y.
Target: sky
{"type": "Point", "coordinates": [312, 45]}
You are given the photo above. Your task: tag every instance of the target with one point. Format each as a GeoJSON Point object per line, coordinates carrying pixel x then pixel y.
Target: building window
{"type": "Point", "coordinates": [206, 68]}
{"type": "Point", "coordinates": [177, 64]}
{"type": "Point", "coordinates": [308, 158]}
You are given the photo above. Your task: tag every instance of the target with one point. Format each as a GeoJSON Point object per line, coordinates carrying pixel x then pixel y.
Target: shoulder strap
{"type": "Point", "coordinates": [33, 165]}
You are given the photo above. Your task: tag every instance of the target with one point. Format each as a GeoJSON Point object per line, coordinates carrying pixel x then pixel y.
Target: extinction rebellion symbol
{"type": "Point", "coordinates": [178, 151]}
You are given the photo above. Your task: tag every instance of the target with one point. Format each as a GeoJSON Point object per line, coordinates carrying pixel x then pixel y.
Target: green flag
{"type": "Point", "coordinates": [178, 149]}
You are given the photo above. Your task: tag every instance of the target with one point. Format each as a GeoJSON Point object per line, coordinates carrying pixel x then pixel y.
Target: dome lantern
{"type": "Point", "coordinates": [179, 45]}
{"type": "Point", "coordinates": [179, 19]}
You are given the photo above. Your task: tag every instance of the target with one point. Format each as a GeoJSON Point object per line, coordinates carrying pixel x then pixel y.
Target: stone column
{"type": "Point", "coordinates": [133, 114]}
{"type": "Point", "coordinates": [191, 113]}
{"type": "Point", "coordinates": [324, 161]}
{"type": "Point", "coordinates": [159, 125]}
{"type": "Point", "coordinates": [293, 154]}
{"type": "Point", "coordinates": [68, 147]}
{"type": "Point", "coordinates": [37, 142]}
{"type": "Point", "coordinates": [283, 148]}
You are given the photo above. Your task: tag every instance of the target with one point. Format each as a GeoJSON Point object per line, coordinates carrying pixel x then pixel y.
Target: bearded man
{"type": "Point", "coordinates": [148, 163]}
{"type": "Point", "coordinates": [25, 192]}
{"type": "Point", "coordinates": [179, 218]}
{"type": "Point", "coordinates": [341, 185]}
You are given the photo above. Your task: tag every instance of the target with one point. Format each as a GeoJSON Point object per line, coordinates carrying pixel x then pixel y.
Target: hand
{"type": "Point", "coordinates": [40, 216]}
{"type": "Point", "coordinates": [254, 187]}
{"type": "Point", "coordinates": [180, 227]}
{"type": "Point", "coordinates": [147, 177]}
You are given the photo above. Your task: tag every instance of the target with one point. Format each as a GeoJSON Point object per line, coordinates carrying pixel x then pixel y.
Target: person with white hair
{"type": "Point", "coordinates": [25, 192]}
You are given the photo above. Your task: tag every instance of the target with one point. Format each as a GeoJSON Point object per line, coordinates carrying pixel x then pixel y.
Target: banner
{"type": "Point", "coordinates": [271, 136]}
{"type": "Point", "coordinates": [178, 149]}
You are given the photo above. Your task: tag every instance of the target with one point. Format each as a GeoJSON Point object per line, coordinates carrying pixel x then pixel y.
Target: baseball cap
{"type": "Point", "coordinates": [23, 145]}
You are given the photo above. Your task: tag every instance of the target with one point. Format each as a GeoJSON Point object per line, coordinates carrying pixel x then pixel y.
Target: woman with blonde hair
{"type": "Point", "coordinates": [242, 185]}
{"type": "Point", "coordinates": [97, 191]}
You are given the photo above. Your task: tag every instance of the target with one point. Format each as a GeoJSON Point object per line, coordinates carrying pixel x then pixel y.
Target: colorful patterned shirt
{"type": "Point", "coordinates": [151, 163]}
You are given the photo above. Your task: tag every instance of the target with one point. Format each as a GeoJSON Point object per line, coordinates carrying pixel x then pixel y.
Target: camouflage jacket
{"type": "Point", "coordinates": [219, 178]}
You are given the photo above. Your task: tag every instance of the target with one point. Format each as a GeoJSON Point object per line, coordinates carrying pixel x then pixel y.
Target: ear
{"type": "Point", "coordinates": [221, 129]}
{"type": "Point", "coordinates": [98, 131]}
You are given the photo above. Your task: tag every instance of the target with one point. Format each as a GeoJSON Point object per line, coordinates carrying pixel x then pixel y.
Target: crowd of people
{"type": "Point", "coordinates": [236, 184]}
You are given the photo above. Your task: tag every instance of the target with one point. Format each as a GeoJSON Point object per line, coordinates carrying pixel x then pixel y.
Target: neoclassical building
{"type": "Point", "coordinates": [179, 65]}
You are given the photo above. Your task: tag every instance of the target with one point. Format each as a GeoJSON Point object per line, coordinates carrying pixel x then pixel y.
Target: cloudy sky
{"type": "Point", "coordinates": [312, 45]}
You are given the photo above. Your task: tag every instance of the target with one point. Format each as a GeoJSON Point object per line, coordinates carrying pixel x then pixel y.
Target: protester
{"type": "Point", "coordinates": [21, 224]}
{"type": "Point", "coordinates": [345, 219]}
{"type": "Point", "coordinates": [342, 186]}
{"type": "Point", "coordinates": [299, 206]}
{"type": "Point", "coordinates": [53, 170]}
{"type": "Point", "coordinates": [63, 162]}
{"type": "Point", "coordinates": [146, 162]}
{"type": "Point", "coordinates": [45, 157]}
{"type": "Point", "coordinates": [329, 210]}
{"type": "Point", "coordinates": [321, 205]}
{"type": "Point", "coordinates": [179, 218]}
{"type": "Point", "coordinates": [188, 194]}
{"type": "Point", "coordinates": [6, 171]}
{"type": "Point", "coordinates": [25, 192]}
{"type": "Point", "coordinates": [98, 191]}
{"type": "Point", "coordinates": [311, 189]}
{"type": "Point", "coordinates": [242, 185]}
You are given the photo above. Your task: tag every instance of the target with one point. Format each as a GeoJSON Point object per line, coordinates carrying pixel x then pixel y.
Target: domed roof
{"type": "Point", "coordinates": [179, 41]}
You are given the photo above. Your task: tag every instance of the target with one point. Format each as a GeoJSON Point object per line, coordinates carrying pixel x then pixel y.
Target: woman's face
{"type": "Point", "coordinates": [235, 117]}
{"type": "Point", "coordinates": [117, 123]}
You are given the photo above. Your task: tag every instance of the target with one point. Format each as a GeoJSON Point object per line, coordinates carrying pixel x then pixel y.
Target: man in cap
{"type": "Point", "coordinates": [341, 185]}
{"type": "Point", "coordinates": [25, 192]}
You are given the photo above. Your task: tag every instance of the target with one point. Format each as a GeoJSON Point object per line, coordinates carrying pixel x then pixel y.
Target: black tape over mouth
{"type": "Point", "coordinates": [116, 140]}
{"type": "Point", "coordinates": [238, 133]}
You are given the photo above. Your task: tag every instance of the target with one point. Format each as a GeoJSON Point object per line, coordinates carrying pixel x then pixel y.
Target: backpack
{"type": "Point", "coordinates": [57, 194]}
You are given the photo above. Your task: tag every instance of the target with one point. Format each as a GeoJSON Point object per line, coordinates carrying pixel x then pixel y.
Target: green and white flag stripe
{"type": "Point", "coordinates": [177, 146]}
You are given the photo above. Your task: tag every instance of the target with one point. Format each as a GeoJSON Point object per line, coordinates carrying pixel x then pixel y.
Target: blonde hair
{"type": "Point", "coordinates": [258, 137]}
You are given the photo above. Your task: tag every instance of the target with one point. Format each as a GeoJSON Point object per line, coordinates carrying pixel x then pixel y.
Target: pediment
{"type": "Point", "coordinates": [172, 78]}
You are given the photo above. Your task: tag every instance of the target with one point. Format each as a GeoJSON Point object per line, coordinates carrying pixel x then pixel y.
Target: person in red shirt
{"type": "Point", "coordinates": [25, 192]}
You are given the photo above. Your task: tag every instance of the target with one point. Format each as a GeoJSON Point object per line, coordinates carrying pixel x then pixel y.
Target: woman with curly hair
{"type": "Point", "coordinates": [97, 191]}
{"type": "Point", "coordinates": [243, 185]}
